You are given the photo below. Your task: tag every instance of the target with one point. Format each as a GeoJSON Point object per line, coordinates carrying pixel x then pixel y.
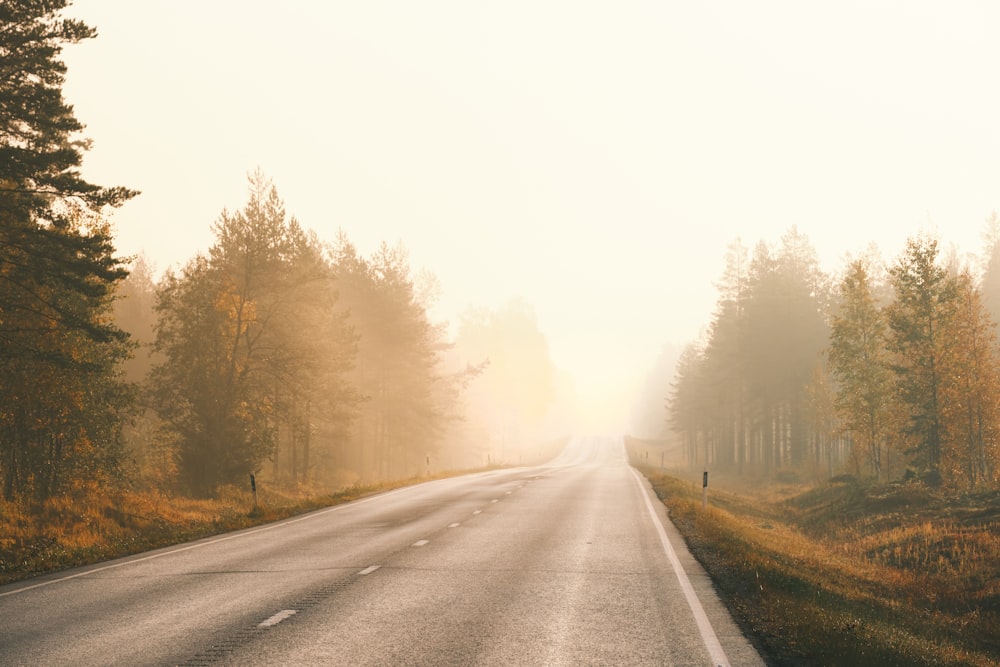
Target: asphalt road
{"type": "Point", "coordinates": [573, 563]}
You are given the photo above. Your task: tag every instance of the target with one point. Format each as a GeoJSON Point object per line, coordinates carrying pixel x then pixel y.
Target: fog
{"type": "Point", "coordinates": [592, 160]}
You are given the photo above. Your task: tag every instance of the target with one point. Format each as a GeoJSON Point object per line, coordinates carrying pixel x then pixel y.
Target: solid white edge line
{"type": "Point", "coordinates": [208, 542]}
{"type": "Point", "coordinates": [277, 618]}
{"type": "Point", "coordinates": [708, 636]}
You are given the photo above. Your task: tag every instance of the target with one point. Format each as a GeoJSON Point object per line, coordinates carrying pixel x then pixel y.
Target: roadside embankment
{"type": "Point", "coordinates": [846, 574]}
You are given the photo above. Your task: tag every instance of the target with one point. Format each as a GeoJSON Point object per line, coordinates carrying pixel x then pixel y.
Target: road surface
{"type": "Point", "coordinates": [573, 563]}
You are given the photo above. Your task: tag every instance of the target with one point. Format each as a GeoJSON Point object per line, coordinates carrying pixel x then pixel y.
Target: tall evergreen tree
{"type": "Point", "coordinates": [785, 336]}
{"type": "Point", "coordinates": [62, 401]}
{"type": "Point", "coordinates": [860, 362]}
{"type": "Point", "coordinates": [919, 318]}
{"type": "Point", "coordinates": [728, 346]}
{"type": "Point", "coordinates": [686, 404]}
{"type": "Point", "coordinates": [407, 400]}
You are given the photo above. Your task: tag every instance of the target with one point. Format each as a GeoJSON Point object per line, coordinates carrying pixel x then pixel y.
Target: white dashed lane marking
{"type": "Point", "coordinates": [420, 543]}
{"type": "Point", "coordinates": [369, 570]}
{"type": "Point", "coordinates": [277, 618]}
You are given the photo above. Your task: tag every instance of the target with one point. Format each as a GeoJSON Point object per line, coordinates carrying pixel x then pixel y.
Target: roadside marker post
{"type": "Point", "coordinates": [253, 487]}
{"type": "Point", "coordinates": [704, 490]}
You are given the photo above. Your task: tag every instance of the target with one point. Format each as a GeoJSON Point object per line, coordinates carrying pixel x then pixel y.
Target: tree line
{"type": "Point", "coordinates": [280, 353]}
{"type": "Point", "coordinates": [273, 351]}
{"type": "Point", "coordinates": [887, 370]}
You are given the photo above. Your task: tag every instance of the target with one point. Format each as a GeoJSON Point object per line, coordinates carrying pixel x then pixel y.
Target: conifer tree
{"type": "Point", "coordinates": [407, 400]}
{"type": "Point", "coordinates": [860, 362]}
{"type": "Point", "coordinates": [919, 319]}
{"type": "Point", "coordinates": [61, 401]}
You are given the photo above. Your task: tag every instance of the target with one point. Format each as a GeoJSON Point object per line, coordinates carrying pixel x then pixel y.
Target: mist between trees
{"type": "Point", "coordinates": [279, 354]}
{"type": "Point", "coordinates": [296, 360]}
{"type": "Point", "coordinates": [890, 370]}
{"type": "Point", "coordinates": [274, 353]}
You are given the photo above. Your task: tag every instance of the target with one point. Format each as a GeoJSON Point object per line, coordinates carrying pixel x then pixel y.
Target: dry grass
{"type": "Point", "coordinates": [847, 575]}
{"type": "Point", "coordinates": [92, 526]}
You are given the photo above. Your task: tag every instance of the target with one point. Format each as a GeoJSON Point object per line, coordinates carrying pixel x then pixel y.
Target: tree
{"type": "Point", "coordinates": [647, 418]}
{"type": "Point", "coordinates": [971, 391]}
{"type": "Point", "coordinates": [251, 343]}
{"type": "Point", "coordinates": [310, 353]}
{"type": "Point", "coordinates": [39, 151]}
{"type": "Point", "coordinates": [686, 405]}
{"type": "Point", "coordinates": [62, 399]}
{"type": "Point", "coordinates": [785, 334]}
{"type": "Point", "coordinates": [722, 372]}
{"type": "Point", "coordinates": [707, 405]}
{"type": "Point", "coordinates": [407, 400]}
{"type": "Point", "coordinates": [135, 313]}
{"type": "Point", "coordinates": [726, 351]}
{"type": "Point", "coordinates": [990, 284]}
{"type": "Point", "coordinates": [925, 302]}
{"type": "Point", "coordinates": [741, 396]}
{"type": "Point", "coordinates": [861, 363]}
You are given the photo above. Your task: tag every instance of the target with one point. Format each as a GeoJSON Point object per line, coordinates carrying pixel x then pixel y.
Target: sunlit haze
{"type": "Point", "coordinates": [594, 159]}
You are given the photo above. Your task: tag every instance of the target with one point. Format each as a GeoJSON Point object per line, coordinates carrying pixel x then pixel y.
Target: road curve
{"type": "Point", "coordinates": [573, 563]}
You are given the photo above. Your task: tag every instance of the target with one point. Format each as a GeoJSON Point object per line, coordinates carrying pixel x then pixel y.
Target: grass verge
{"type": "Point", "coordinates": [842, 574]}
{"type": "Point", "coordinates": [92, 527]}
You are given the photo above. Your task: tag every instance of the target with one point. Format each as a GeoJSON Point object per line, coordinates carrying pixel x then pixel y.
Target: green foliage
{"type": "Point", "coordinates": [39, 152]}
{"type": "Point", "coordinates": [61, 402]}
{"type": "Point", "coordinates": [925, 299]}
{"type": "Point", "coordinates": [251, 343]}
{"type": "Point", "coordinates": [912, 382]}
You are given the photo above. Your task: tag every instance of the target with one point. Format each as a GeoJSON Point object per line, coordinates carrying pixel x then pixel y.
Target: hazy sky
{"type": "Point", "coordinates": [595, 158]}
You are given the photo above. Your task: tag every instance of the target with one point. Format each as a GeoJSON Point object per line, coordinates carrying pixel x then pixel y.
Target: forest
{"type": "Point", "coordinates": [274, 353]}
{"type": "Point", "coordinates": [886, 371]}
{"type": "Point", "coordinates": [304, 361]}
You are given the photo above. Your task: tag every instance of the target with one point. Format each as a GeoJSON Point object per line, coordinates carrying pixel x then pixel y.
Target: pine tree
{"type": "Point", "coordinates": [925, 302]}
{"type": "Point", "coordinates": [785, 334]}
{"type": "Point", "coordinates": [860, 362]}
{"type": "Point", "coordinates": [407, 399]}
{"type": "Point", "coordinates": [61, 402]}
